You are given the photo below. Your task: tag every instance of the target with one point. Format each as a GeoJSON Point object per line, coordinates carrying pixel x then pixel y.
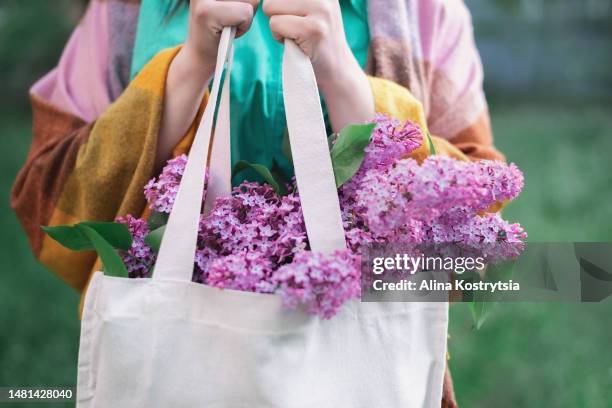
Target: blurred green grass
{"type": "Point", "coordinates": [526, 355]}
{"type": "Point", "coordinates": [39, 327]}
{"type": "Point", "coordinates": [539, 354]}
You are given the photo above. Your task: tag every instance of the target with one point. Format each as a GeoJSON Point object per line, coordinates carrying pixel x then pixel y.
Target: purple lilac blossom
{"type": "Point", "coordinates": [408, 192]}
{"type": "Point", "coordinates": [391, 140]}
{"type": "Point", "coordinates": [255, 219]}
{"type": "Point", "coordinates": [255, 240]}
{"type": "Point", "coordinates": [139, 259]}
{"type": "Point", "coordinates": [160, 192]}
{"type": "Point", "coordinates": [321, 283]}
{"type": "Point", "coordinates": [246, 271]}
{"type": "Point", "coordinates": [488, 235]}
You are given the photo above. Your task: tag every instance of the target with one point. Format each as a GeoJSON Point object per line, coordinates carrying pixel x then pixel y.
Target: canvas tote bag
{"type": "Point", "coordinates": [167, 342]}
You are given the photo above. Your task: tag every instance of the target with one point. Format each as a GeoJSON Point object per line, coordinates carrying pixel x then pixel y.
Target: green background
{"type": "Point", "coordinates": [560, 135]}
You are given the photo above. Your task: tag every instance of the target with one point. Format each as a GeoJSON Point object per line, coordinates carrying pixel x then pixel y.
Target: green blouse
{"type": "Point", "coordinates": [257, 110]}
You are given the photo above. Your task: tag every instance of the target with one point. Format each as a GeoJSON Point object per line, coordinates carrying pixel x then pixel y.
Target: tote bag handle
{"type": "Point", "coordinates": [309, 148]}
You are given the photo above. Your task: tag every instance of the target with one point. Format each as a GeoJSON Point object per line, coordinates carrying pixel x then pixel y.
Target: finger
{"type": "Point", "coordinates": [226, 14]}
{"type": "Point", "coordinates": [286, 26]}
{"type": "Point", "coordinates": [253, 3]}
{"type": "Point", "coordinates": [296, 28]}
{"type": "Point", "coordinates": [288, 7]}
{"type": "Point", "coordinates": [244, 26]}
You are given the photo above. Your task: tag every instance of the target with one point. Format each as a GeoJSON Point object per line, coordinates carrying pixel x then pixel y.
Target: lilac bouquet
{"type": "Point", "coordinates": [255, 239]}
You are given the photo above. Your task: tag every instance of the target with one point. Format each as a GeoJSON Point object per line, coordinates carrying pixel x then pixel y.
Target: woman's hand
{"type": "Point", "coordinates": [316, 27]}
{"type": "Point", "coordinates": [206, 21]}
{"type": "Point", "coordinates": [194, 65]}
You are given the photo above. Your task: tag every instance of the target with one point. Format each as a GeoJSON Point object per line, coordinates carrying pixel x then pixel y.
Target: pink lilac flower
{"type": "Point", "coordinates": [139, 259]}
{"type": "Point", "coordinates": [488, 228]}
{"type": "Point", "coordinates": [247, 271]}
{"type": "Point", "coordinates": [255, 219]}
{"type": "Point", "coordinates": [160, 192]}
{"type": "Point", "coordinates": [441, 186]}
{"type": "Point", "coordinates": [391, 141]}
{"type": "Point", "coordinates": [204, 257]}
{"type": "Point", "coordinates": [489, 235]}
{"type": "Point", "coordinates": [321, 283]}
{"type": "Point", "coordinates": [255, 240]}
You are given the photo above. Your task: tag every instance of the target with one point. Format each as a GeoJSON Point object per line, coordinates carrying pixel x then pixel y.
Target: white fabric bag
{"type": "Point", "coordinates": [167, 342]}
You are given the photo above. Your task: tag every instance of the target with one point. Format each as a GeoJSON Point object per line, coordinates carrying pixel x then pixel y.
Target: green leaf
{"type": "Point", "coordinates": [278, 174]}
{"type": "Point", "coordinates": [154, 238]}
{"type": "Point", "coordinates": [156, 220]}
{"type": "Point", "coordinates": [432, 148]}
{"type": "Point", "coordinates": [480, 312]}
{"type": "Point", "coordinates": [286, 147]}
{"type": "Point", "coordinates": [331, 139]}
{"type": "Point", "coordinates": [263, 171]}
{"type": "Point", "coordinates": [116, 234]}
{"type": "Point", "coordinates": [72, 237]}
{"type": "Point", "coordinates": [113, 265]}
{"type": "Point", "coordinates": [348, 152]}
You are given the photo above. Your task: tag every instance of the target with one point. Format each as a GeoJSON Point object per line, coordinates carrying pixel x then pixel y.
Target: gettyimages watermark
{"type": "Point", "coordinates": [501, 272]}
